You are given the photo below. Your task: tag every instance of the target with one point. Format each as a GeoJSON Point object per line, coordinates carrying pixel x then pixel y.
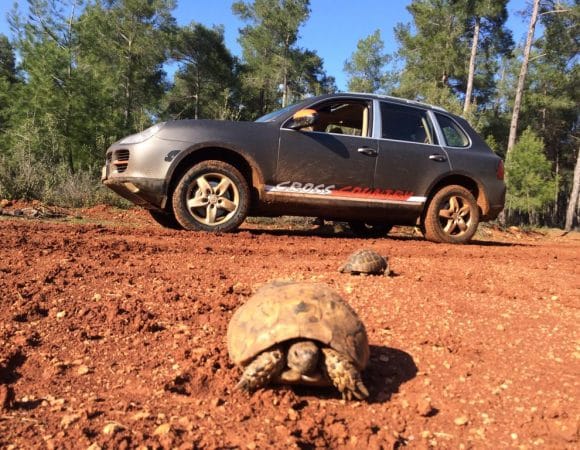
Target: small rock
{"type": "Point", "coordinates": [5, 203]}
{"type": "Point", "coordinates": [348, 288]}
{"type": "Point", "coordinates": [83, 370]}
{"type": "Point", "coordinates": [293, 414]}
{"type": "Point", "coordinates": [112, 428]}
{"type": "Point", "coordinates": [460, 421]}
{"type": "Point", "coordinates": [68, 419]}
{"type": "Point", "coordinates": [60, 314]}
{"type": "Point", "coordinates": [97, 297]}
{"type": "Point", "coordinates": [141, 415]}
{"type": "Point", "coordinates": [424, 407]}
{"type": "Point", "coordinates": [241, 289]}
{"type": "Point", "coordinates": [162, 430]}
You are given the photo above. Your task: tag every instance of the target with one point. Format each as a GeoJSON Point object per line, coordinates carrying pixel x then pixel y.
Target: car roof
{"type": "Point", "coordinates": [403, 101]}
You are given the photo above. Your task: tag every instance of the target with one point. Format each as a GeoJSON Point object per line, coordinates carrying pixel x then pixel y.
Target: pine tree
{"type": "Point", "coordinates": [531, 180]}
{"type": "Point", "coordinates": [366, 66]}
{"type": "Point", "coordinates": [276, 70]}
{"type": "Point", "coordinates": [205, 84]}
{"type": "Point", "coordinates": [490, 39]}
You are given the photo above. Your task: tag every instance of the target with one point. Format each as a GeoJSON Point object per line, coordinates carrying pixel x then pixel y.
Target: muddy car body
{"type": "Point", "coordinates": [373, 161]}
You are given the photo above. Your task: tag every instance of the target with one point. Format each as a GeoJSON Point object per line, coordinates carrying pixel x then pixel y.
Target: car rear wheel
{"type": "Point", "coordinates": [365, 229]}
{"type": "Point", "coordinates": [452, 216]}
{"type": "Point", "coordinates": [211, 196]}
{"type": "Point", "coordinates": [166, 220]}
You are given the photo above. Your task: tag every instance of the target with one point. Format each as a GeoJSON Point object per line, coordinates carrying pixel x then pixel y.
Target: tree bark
{"type": "Point", "coordinates": [573, 203]}
{"type": "Point", "coordinates": [471, 73]}
{"type": "Point", "coordinates": [521, 82]}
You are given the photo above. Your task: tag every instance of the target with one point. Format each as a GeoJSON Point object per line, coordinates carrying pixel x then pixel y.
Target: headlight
{"type": "Point", "coordinates": [143, 136]}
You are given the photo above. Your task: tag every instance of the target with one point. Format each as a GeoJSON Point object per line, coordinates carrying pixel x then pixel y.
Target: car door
{"type": "Point", "coordinates": [410, 157]}
{"type": "Point", "coordinates": [336, 152]}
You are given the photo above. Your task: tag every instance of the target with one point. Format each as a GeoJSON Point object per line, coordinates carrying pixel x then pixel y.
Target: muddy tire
{"type": "Point", "coordinates": [166, 220]}
{"type": "Point", "coordinates": [211, 196]}
{"type": "Point", "coordinates": [452, 216]}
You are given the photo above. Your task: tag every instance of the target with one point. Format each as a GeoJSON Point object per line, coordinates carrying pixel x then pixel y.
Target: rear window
{"type": "Point", "coordinates": [402, 123]}
{"type": "Point", "coordinates": [454, 135]}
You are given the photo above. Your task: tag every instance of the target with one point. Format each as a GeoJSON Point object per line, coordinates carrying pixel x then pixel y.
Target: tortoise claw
{"type": "Point", "coordinates": [344, 375]}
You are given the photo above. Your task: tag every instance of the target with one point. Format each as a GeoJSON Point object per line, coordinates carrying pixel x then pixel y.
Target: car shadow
{"type": "Point", "coordinates": [329, 233]}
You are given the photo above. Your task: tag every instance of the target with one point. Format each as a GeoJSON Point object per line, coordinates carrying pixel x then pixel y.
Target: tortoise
{"type": "Point", "coordinates": [299, 333]}
{"type": "Point", "coordinates": [367, 262]}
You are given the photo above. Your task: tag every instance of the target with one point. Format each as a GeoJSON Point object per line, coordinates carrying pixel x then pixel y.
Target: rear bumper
{"type": "Point", "coordinates": [146, 192]}
{"type": "Point", "coordinates": [497, 206]}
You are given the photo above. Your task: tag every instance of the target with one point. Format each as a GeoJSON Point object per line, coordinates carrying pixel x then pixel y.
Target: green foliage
{"type": "Point", "coordinates": [276, 71]}
{"type": "Point", "coordinates": [531, 183]}
{"type": "Point", "coordinates": [437, 47]}
{"type": "Point", "coordinates": [365, 67]}
{"type": "Point", "coordinates": [205, 85]}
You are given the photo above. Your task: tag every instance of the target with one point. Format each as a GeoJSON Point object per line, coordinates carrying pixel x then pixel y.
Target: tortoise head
{"type": "Point", "coordinates": [303, 357]}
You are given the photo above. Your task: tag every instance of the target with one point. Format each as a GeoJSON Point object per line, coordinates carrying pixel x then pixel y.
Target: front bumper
{"type": "Point", "coordinates": [146, 192]}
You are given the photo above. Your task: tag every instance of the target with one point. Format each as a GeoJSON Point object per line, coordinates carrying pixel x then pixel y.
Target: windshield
{"type": "Point", "coordinates": [275, 114]}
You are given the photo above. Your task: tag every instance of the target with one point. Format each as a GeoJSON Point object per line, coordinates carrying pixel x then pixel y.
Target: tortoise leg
{"type": "Point", "coordinates": [265, 367]}
{"type": "Point", "coordinates": [344, 375]}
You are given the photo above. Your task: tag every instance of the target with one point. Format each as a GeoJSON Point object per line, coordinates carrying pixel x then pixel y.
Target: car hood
{"type": "Point", "coordinates": [211, 130]}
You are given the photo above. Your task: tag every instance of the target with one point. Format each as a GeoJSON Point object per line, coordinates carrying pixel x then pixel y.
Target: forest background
{"type": "Point", "coordinates": [76, 75]}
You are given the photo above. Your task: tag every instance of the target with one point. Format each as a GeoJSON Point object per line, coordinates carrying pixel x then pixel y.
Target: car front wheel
{"type": "Point", "coordinates": [452, 216]}
{"type": "Point", "coordinates": [211, 196]}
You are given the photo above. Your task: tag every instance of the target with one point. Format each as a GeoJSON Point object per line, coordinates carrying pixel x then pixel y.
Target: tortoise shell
{"type": "Point", "coordinates": [281, 311]}
{"type": "Point", "coordinates": [365, 261]}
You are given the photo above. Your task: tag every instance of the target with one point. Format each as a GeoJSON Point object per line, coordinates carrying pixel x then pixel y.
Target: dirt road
{"type": "Point", "coordinates": [113, 336]}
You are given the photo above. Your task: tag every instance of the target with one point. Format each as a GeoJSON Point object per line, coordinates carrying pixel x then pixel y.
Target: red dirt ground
{"type": "Point", "coordinates": [113, 335]}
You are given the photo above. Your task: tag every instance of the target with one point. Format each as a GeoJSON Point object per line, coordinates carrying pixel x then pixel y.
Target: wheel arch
{"type": "Point", "coordinates": [239, 159]}
{"type": "Point", "coordinates": [474, 186]}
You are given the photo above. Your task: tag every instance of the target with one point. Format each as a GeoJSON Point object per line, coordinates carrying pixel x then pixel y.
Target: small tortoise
{"type": "Point", "coordinates": [299, 333]}
{"type": "Point", "coordinates": [366, 261]}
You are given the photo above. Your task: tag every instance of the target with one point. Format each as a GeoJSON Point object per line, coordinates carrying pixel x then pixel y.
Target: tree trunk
{"type": "Point", "coordinates": [521, 82]}
{"type": "Point", "coordinates": [471, 74]}
{"type": "Point", "coordinates": [573, 203]}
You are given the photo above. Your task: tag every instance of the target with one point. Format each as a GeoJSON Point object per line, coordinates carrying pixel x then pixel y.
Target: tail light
{"type": "Point", "coordinates": [500, 170]}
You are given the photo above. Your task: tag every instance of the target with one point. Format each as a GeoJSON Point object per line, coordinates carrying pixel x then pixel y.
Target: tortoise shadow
{"type": "Point", "coordinates": [388, 369]}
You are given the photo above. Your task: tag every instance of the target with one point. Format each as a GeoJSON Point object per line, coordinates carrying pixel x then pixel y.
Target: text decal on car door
{"type": "Point", "coordinates": [356, 193]}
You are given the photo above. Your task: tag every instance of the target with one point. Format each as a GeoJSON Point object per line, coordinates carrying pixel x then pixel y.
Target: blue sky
{"type": "Point", "coordinates": [333, 30]}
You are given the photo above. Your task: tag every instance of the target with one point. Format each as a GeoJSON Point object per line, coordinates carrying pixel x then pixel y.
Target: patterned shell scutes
{"type": "Point", "coordinates": [365, 261]}
{"type": "Point", "coordinates": [280, 311]}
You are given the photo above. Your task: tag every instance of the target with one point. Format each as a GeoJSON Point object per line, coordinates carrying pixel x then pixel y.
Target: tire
{"type": "Point", "coordinates": [452, 216]}
{"type": "Point", "coordinates": [166, 220]}
{"type": "Point", "coordinates": [364, 229]}
{"type": "Point", "coordinates": [211, 196]}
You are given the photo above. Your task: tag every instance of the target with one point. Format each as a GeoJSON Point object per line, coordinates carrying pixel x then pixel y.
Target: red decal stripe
{"type": "Point", "coordinates": [378, 194]}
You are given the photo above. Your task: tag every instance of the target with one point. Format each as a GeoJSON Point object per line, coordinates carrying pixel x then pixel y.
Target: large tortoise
{"type": "Point", "coordinates": [299, 333]}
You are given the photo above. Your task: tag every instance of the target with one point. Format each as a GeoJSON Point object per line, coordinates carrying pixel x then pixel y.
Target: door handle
{"type": "Point", "coordinates": [438, 158]}
{"type": "Point", "coordinates": [368, 151]}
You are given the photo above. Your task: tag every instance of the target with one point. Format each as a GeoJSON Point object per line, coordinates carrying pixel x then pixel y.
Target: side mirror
{"type": "Point", "coordinates": [303, 118]}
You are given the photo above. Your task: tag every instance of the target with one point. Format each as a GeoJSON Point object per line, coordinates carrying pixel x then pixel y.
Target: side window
{"type": "Point", "coordinates": [402, 123]}
{"type": "Point", "coordinates": [454, 135]}
{"type": "Point", "coordinates": [343, 117]}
